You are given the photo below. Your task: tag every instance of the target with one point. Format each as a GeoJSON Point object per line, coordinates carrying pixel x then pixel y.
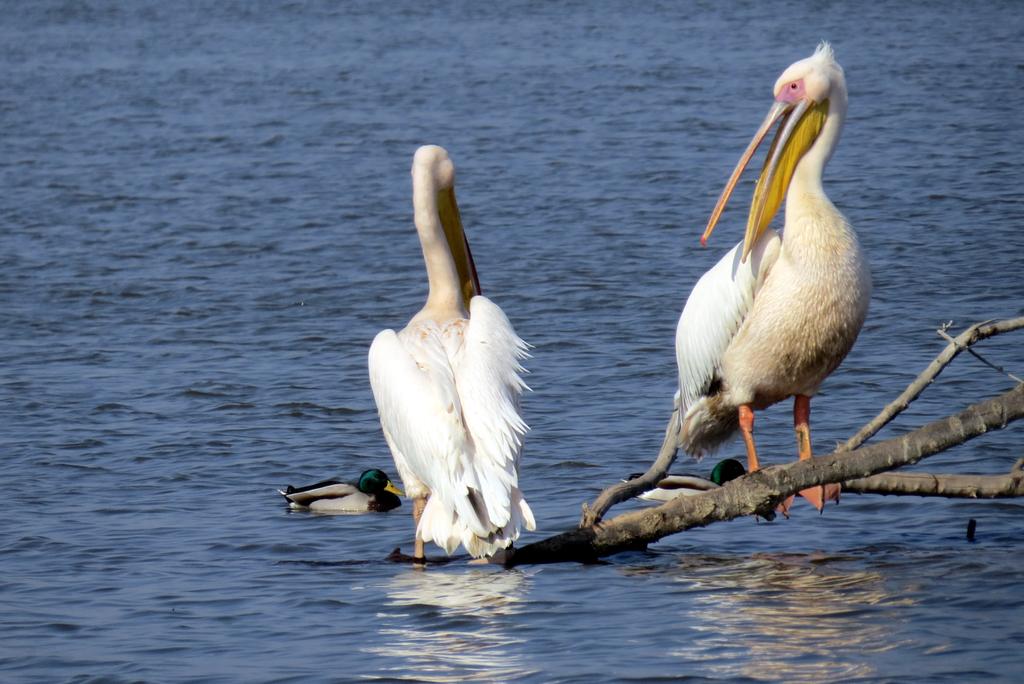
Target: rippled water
{"type": "Point", "coordinates": [206, 218]}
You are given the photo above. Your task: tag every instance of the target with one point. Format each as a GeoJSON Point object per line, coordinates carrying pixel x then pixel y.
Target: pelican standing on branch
{"type": "Point", "coordinates": [779, 312]}
{"type": "Point", "coordinates": [447, 388]}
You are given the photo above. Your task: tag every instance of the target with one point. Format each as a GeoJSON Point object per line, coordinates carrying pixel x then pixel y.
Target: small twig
{"type": "Point", "coordinates": [975, 333]}
{"type": "Point", "coordinates": [942, 333]}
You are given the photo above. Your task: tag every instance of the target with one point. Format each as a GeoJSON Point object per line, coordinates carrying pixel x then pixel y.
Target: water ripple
{"type": "Point", "coordinates": [208, 220]}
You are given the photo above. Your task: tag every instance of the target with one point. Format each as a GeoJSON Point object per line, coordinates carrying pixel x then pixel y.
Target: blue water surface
{"type": "Point", "coordinates": [205, 218]}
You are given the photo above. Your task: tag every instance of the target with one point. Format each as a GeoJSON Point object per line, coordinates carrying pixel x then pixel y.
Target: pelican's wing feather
{"type": "Point", "coordinates": [488, 377]}
{"type": "Point", "coordinates": [714, 312]}
{"type": "Point", "coordinates": [421, 414]}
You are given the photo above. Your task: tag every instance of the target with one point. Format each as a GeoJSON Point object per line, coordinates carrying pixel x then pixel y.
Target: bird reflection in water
{"type": "Point", "coordinates": [784, 617]}
{"type": "Point", "coordinates": [453, 626]}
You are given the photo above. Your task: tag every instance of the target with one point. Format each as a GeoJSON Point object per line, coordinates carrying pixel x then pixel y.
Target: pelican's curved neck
{"type": "Point", "coordinates": [444, 295]}
{"type": "Point", "coordinates": [806, 182]}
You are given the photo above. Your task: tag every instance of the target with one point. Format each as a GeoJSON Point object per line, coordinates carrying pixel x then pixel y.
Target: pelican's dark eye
{"type": "Point", "coordinates": [793, 85]}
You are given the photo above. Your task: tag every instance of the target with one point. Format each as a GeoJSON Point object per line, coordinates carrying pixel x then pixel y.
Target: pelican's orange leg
{"type": "Point", "coordinates": [747, 428]}
{"type": "Point", "coordinates": [802, 424]}
{"type": "Point", "coordinates": [418, 554]}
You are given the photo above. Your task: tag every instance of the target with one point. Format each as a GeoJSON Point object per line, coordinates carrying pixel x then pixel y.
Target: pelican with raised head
{"type": "Point", "coordinates": [447, 388]}
{"type": "Point", "coordinates": [779, 312]}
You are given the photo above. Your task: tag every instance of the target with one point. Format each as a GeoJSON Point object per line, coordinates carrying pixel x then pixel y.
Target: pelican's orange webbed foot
{"type": "Point", "coordinates": [820, 494]}
{"type": "Point", "coordinates": [783, 507]}
{"type": "Point", "coordinates": [816, 495]}
{"type": "Point", "coordinates": [832, 492]}
{"type": "Point", "coordinates": [802, 425]}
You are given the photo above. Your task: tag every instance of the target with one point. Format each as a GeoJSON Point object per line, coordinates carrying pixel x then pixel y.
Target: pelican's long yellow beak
{"type": "Point", "coordinates": [451, 221]}
{"type": "Point", "coordinates": [393, 489]}
{"type": "Point", "coordinates": [803, 121]}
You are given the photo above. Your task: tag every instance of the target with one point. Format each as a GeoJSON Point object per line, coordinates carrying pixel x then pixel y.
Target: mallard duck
{"type": "Point", "coordinates": [672, 486]}
{"type": "Point", "coordinates": [373, 491]}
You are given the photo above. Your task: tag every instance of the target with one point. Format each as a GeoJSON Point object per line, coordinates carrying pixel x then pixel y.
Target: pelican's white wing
{"type": "Point", "coordinates": [487, 374]}
{"type": "Point", "coordinates": [713, 314]}
{"type": "Point", "coordinates": [421, 415]}
{"type": "Point", "coordinates": [448, 403]}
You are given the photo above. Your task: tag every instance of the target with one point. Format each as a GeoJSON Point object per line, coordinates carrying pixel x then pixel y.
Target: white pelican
{"type": "Point", "coordinates": [447, 388]}
{"type": "Point", "coordinates": [772, 320]}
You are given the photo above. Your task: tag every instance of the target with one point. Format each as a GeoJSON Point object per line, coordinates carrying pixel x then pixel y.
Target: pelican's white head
{"type": "Point", "coordinates": [437, 213]}
{"type": "Point", "coordinates": [810, 103]}
{"type": "Point", "coordinates": [816, 78]}
{"type": "Point", "coordinates": [433, 161]}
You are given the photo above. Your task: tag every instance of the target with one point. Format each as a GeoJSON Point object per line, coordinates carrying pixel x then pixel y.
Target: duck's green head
{"type": "Point", "coordinates": [727, 470]}
{"type": "Point", "coordinates": [375, 481]}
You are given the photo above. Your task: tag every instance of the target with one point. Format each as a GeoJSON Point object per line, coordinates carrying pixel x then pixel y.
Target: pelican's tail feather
{"type": "Point", "coordinates": [709, 423]}
{"type": "Point", "coordinates": [447, 527]}
{"type": "Point", "coordinates": [438, 524]}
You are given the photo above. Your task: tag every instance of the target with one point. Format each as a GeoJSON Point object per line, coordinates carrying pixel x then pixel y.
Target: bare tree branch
{"type": "Point", "coordinates": [945, 335]}
{"type": "Point", "coordinates": [627, 490]}
{"type": "Point", "coordinates": [760, 492]}
{"type": "Point", "coordinates": [975, 333]}
{"type": "Point", "coordinates": [936, 484]}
